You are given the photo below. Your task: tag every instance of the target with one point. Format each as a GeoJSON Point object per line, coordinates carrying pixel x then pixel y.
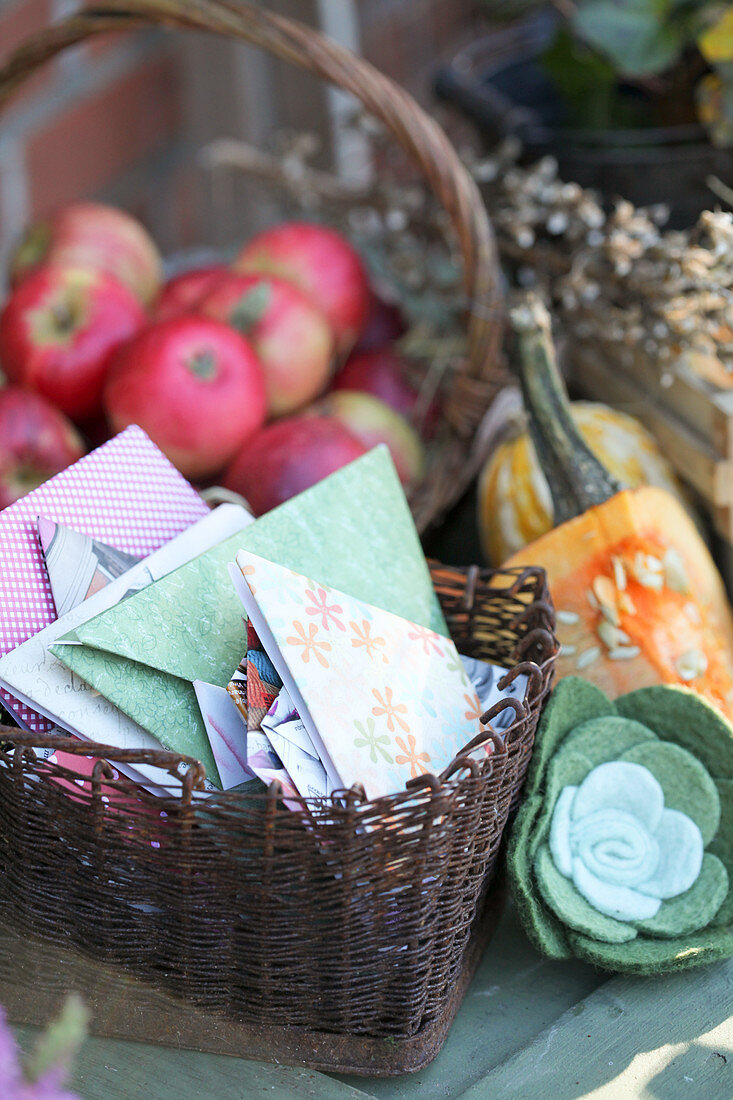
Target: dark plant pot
{"type": "Point", "coordinates": [500, 85]}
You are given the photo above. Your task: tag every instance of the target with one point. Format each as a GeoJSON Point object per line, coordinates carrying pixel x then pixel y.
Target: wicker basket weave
{"type": "Point", "coordinates": [457, 454]}
{"type": "Point", "coordinates": [351, 919]}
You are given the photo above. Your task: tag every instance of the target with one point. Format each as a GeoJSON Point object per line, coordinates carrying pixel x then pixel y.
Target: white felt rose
{"type": "Point", "coordinates": [624, 852]}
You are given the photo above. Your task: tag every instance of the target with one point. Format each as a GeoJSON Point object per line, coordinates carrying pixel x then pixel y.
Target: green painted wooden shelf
{"type": "Point", "coordinates": [527, 1028]}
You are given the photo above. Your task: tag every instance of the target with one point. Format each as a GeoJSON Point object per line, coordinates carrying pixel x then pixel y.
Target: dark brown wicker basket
{"type": "Point", "coordinates": [351, 919]}
{"type": "Point", "coordinates": [341, 937]}
{"type": "Point", "coordinates": [458, 450]}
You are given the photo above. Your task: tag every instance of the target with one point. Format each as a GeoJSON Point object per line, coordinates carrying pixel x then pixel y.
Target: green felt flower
{"type": "Point", "coordinates": [622, 851]}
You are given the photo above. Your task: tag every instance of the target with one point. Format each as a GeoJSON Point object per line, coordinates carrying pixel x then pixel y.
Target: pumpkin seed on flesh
{"type": "Point", "coordinates": [691, 664]}
{"type": "Point", "coordinates": [569, 617]}
{"type": "Point", "coordinates": [624, 652]}
{"type": "Point", "coordinates": [612, 636]}
{"type": "Point", "coordinates": [675, 574]}
{"type": "Point", "coordinates": [587, 657]}
{"type": "Point", "coordinates": [619, 573]}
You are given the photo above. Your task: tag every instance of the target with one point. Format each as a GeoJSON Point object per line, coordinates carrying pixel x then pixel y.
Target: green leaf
{"type": "Point", "coordinates": [722, 846]}
{"type": "Point", "coordinates": [61, 1040]}
{"type": "Point", "coordinates": [543, 929]}
{"type": "Point", "coordinates": [683, 717]}
{"type": "Point", "coordinates": [251, 307]}
{"type": "Point", "coordinates": [716, 41]}
{"type": "Point", "coordinates": [572, 909]}
{"type": "Point", "coordinates": [648, 956]}
{"type": "Point", "coordinates": [686, 785]}
{"type": "Point", "coordinates": [568, 769]}
{"type": "Point", "coordinates": [585, 80]}
{"type": "Point", "coordinates": [695, 908]}
{"type": "Point", "coordinates": [573, 701]}
{"type": "Point", "coordinates": [635, 35]}
{"type": "Point", "coordinates": [605, 738]}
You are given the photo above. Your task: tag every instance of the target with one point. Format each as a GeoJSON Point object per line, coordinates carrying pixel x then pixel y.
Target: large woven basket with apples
{"type": "Point", "coordinates": [454, 455]}
{"type": "Point", "coordinates": [341, 936]}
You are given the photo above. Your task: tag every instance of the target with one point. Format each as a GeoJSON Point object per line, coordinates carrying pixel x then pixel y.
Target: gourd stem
{"type": "Point", "coordinates": [577, 479]}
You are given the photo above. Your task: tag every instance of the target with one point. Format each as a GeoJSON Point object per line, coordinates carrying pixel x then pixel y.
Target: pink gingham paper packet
{"type": "Point", "coordinates": [125, 493]}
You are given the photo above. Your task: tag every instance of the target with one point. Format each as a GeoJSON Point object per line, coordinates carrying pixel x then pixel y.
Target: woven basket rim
{"type": "Point", "coordinates": [191, 773]}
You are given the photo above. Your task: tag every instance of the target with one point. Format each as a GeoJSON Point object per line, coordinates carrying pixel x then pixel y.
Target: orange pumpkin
{"type": "Point", "coordinates": [638, 596]}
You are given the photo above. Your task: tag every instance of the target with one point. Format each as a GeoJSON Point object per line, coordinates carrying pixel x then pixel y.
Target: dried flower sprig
{"type": "Point", "coordinates": [619, 279]}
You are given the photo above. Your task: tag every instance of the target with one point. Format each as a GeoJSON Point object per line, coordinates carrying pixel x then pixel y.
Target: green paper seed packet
{"type": "Point", "coordinates": [622, 851]}
{"type": "Point", "coordinates": [353, 530]}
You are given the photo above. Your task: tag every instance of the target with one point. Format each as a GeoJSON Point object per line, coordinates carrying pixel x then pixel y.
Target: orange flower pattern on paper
{"type": "Point", "coordinates": [320, 606]}
{"type": "Point", "coordinates": [474, 711]}
{"type": "Point", "coordinates": [409, 755]}
{"type": "Point", "coordinates": [390, 710]}
{"type": "Point", "coordinates": [309, 642]}
{"type": "Point", "coordinates": [363, 637]}
{"type": "Point", "coordinates": [249, 571]}
{"type": "Point", "coordinates": [400, 688]}
{"type": "Point", "coordinates": [428, 639]}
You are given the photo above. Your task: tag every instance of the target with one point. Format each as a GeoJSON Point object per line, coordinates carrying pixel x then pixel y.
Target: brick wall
{"type": "Point", "coordinates": [116, 119]}
{"type": "Point", "coordinates": [105, 119]}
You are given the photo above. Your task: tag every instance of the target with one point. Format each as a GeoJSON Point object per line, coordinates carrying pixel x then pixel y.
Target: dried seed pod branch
{"type": "Point", "coordinates": [618, 279]}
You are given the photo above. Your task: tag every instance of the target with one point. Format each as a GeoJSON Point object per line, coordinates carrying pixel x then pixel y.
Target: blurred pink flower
{"type": "Point", "coordinates": [56, 1046]}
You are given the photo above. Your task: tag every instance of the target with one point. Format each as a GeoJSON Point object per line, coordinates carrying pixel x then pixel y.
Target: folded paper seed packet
{"type": "Point", "coordinates": [345, 675]}
{"type": "Point", "coordinates": [622, 851]}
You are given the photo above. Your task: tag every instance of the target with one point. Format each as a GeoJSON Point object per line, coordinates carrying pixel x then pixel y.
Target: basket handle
{"type": "Point", "coordinates": [415, 131]}
{"type": "Point", "coordinates": [159, 758]}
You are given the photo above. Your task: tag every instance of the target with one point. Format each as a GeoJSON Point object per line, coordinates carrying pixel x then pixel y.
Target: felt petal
{"type": "Point", "coordinates": [542, 927]}
{"type": "Point", "coordinates": [572, 909]}
{"type": "Point", "coordinates": [621, 786]}
{"type": "Point", "coordinates": [574, 700]}
{"type": "Point", "coordinates": [615, 846]}
{"type": "Point", "coordinates": [722, 845]}
{"type": "Point", "coordinates": [568, 769]}
{"type": "Point", "coordinates": [681, 716]}
{"type": "Point", "coordinates": [560, 832]}
{"type": "Point", "coordinates": [694, 909]}
{"type": "Point", "coordinates": [680, 856]}
{"type": "Point", "coordinates": [647, 956]}
{"type": "Point", "coordinates": [685, 782]}
{"type": "Point", "coordinates": [606, 738]}
{"type": "Point", "coordinates": [620, 902]}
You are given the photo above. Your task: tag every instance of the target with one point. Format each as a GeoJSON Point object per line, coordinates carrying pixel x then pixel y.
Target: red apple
{"type": "Point", "coordinates": [59, 330]}
{"type": "Point", "coordinates": [325, 267]}
{"type": "Point", "coordinates": [194, 385]}
{"type": "Point", "coordinates": [374, 422]}
{"type": "Point", "coordinates": [97, 236]}
{"type": "Point", "coordinates": [36, 442]}
{"type": "Point", "coordinates": [384, 324]}
{"type": "Point", "coordinates": [292, 338]}
{"type": "Point", "coordinates": [288, 457]}
{"type": "Point", "coordinates": [184, 292]}
{"type": "Point", "coordinates": [384, 374]}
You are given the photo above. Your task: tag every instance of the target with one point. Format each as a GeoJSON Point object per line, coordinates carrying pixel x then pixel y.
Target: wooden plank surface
{"type": "Point", "coordinates": [692, 455]}
{"type": "Point", "coordinates": [110, 1069]}
{"type": "Point", "coordinates": [701, 406]}
{"type": "Point", "coordinates": [646, 1037]}
{"type": "Point", "coordinates": [528, 1030]}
